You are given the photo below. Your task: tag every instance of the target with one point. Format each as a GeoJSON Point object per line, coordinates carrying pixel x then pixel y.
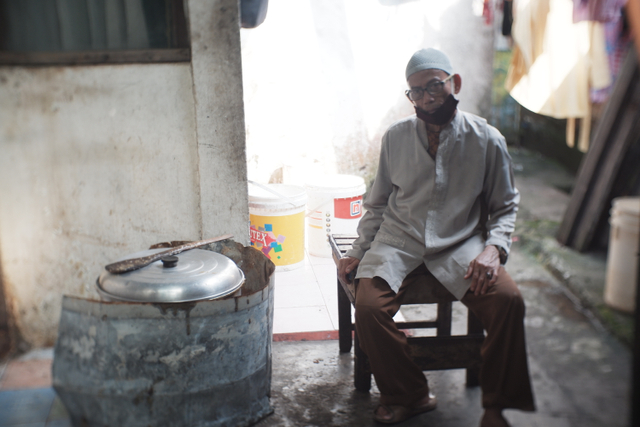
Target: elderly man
{"type": "Point", "coordinates": [442, 209]}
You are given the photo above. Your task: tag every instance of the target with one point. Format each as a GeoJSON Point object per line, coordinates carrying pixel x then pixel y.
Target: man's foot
{"type": "Point", "coordinates": [391, 414]}
{"type": "Point", "coordinates": [493, 418]}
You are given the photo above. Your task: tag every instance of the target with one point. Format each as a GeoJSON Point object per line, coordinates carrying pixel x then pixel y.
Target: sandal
{"type": "Point", "coordinates": [401, 413]}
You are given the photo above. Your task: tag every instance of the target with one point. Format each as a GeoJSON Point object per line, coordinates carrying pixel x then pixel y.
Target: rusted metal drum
{"type": "Point", "coordinates": [196, 364]}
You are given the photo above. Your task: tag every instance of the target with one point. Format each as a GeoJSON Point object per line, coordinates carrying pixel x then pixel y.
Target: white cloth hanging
{"type": "Point", "coordinates": [556, 62]}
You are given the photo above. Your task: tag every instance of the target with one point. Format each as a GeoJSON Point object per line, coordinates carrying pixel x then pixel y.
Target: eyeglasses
{"type": "Point", "coordinates": [434, 88]}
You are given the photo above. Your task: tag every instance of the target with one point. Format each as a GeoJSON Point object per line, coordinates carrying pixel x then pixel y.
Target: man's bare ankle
{"type": "Point", "coordinates": [493, 417]}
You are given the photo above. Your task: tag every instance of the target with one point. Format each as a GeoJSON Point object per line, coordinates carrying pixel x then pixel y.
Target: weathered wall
{"type": "Point", "coordinates": [333, 73]}
{"type": "Point", "coordinates": [96, 162]}
{"type": "Point", "coordinates": [100, 161]}
{"type": "Point", "coordinates": [217, 87]}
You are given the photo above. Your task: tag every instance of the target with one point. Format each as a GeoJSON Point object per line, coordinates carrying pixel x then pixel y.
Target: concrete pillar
{"type": "Point", "coordinates": [217, 85]}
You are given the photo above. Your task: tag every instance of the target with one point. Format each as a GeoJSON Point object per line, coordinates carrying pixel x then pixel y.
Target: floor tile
{"type": "Point", "coordinates": [30, 373]}
{"type": "Point", "coordinates": [330, 296]}
{"type": "Point", "coordinates": [25, 407]}
{"type": "Point", "coordinates": [295, 277]}
{"type": "Point", "coordinates": [332, 309]}
{"type": "Point", "coordinates": [328, 286]}
{"type": "Point", "coordinates": [301, 319]}
{"type": "Point", "coordinates": [300, 289]}
{"type": "Point", "coordinates": [316, 260]}
{"type": "Point", "coordinates": [328, 289]}
{"type": "Point", "coordinates": [325, 273]}
{"type": "Point", "coordinates": [298, 295]}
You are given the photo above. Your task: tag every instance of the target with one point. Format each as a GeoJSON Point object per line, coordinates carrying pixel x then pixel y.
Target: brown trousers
{"type": "Point", "coordinates": [504, 374]}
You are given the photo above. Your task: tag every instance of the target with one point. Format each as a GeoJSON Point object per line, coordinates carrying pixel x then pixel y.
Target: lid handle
{"type": "Point", "coordinates": [169, 261]}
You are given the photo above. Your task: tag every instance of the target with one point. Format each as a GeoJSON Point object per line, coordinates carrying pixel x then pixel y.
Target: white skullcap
{"type": "Point", "coordinates": [426, 59]}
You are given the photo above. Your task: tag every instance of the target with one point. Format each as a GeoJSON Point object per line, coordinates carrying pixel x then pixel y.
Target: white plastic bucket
{"type": "Point", "coordinates": [622, 258]}
{"type": "Point", "coordinates": [334, 207]}
{"type": "Point", "coordinates": [276, 213]}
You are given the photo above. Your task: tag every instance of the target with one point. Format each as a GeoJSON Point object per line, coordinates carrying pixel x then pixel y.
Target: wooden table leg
{"type": "Point", "coordinates": [361, 368]}
{"type": "Point", "coordinates": [444, 319]}
{"type": "Point", "coordinates": [473, 327]}
{"type": "Point", "coordinates": [344, 320]}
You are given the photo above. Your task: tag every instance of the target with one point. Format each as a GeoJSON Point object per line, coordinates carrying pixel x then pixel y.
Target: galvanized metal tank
{"type": "Point", "coordinates": [196, 364]}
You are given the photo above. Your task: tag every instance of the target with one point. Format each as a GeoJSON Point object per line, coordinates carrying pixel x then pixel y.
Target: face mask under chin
{"type": "Point", "coordinates": [441, 115]}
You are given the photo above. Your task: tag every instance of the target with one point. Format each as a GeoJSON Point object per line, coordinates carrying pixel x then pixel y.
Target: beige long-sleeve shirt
{"type": "Point", "coordinates": [431, 210]}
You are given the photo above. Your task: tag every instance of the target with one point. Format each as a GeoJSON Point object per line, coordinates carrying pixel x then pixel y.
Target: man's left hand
{"type": "Point", "coordinates": [484, 270]}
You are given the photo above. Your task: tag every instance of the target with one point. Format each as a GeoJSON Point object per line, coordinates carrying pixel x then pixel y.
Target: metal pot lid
{"type": "Point", "coordinates": [189, 276]}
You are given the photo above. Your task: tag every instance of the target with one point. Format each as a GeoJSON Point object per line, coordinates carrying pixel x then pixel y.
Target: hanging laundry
{"type": "Point", "coordinates": [487, 11]}
{"type": "Point", "coordinates": [597, 10]}
{"type": "Point", "coordinates": [556, 62]}
{"type": "Point", "coordinates": [507, 17]}
{"type": "Point", "coordinates": [618, 39]}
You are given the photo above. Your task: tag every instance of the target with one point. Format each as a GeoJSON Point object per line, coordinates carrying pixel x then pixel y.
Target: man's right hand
{"type": "Point", "coordinates": [345, 266]}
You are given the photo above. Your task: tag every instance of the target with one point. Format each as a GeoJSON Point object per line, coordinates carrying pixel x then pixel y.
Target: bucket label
{"type": "Point", "coordinates": [349, 208]}
{"type": "Point", "coordinates": [260, 237]}
{"type": "Point", "coordinates": [280, 238]}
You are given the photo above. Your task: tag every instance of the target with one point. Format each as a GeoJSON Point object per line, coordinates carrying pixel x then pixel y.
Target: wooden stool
{"type": "Point", "coordinates": [443, 351]}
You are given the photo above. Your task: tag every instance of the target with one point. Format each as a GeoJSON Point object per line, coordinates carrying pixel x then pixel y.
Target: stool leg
{"type": "Point", "coordinates": [344, 320]}
{"type": "Point", "coordinates": [361, 368]}
{"type": "Point", "coordinates": [444, 319]}
{"type": "Point", "coordinates": [473, 327]}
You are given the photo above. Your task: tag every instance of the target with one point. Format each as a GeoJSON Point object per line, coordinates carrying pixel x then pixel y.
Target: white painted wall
{"type": "Point", "coordinates": [100, 161]}
{"type": "Point", "coordinates": [323, 79]}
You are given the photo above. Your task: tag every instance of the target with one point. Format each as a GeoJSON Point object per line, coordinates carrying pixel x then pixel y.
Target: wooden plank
{"type": "Point", "coordinates": [621, 139]}
{"type": "Point", "coordinates": [417, 325]}
{"type": "Point", "coordinates": [588, 172]}
{"type": "Point", "coordinates": [345, 236]}
{"type": "Point", "coordinates": [456, 352]}
{"type": "Point", "coordinates": [95, 57]}
{"type": "Point", "coordinates": [340, 245]}
{"type": "Point", "coordinates": [337, 251]}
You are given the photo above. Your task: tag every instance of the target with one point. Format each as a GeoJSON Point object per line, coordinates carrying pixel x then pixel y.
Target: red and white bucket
{"type": "Point", "coordinates": [334, 207]}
